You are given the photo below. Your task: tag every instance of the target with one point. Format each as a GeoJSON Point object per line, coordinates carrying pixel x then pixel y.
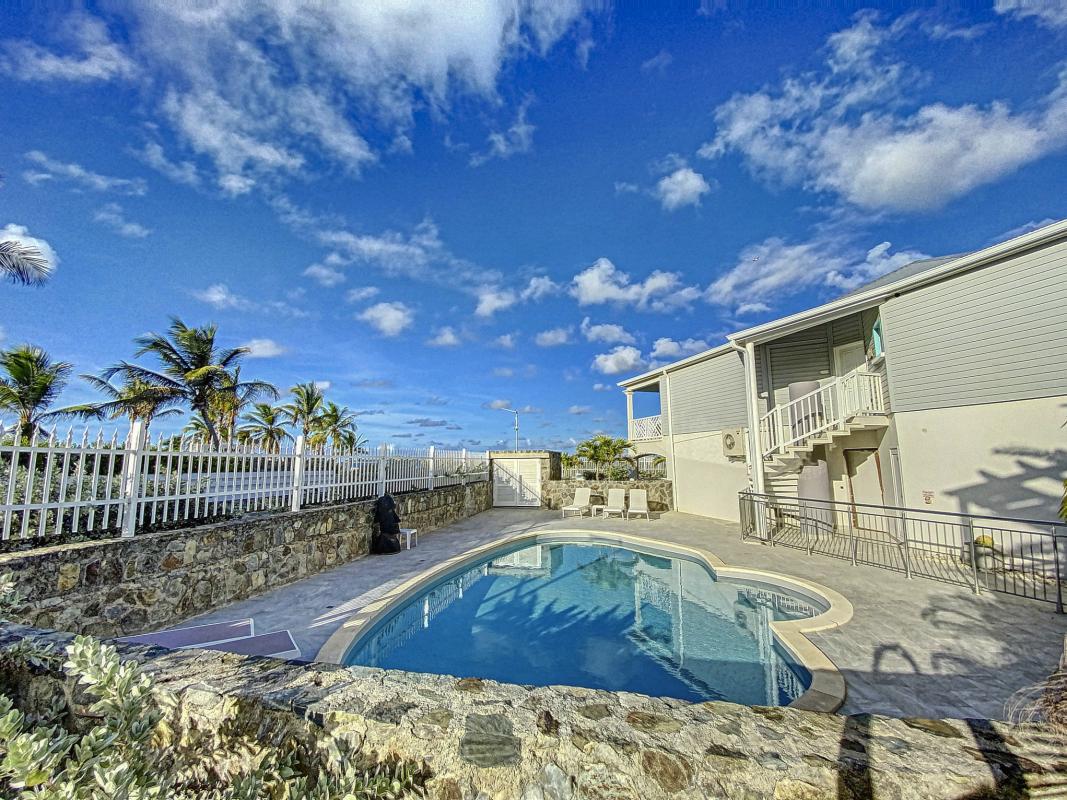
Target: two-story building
{"type": "Point", "coordinates": [941, 385]}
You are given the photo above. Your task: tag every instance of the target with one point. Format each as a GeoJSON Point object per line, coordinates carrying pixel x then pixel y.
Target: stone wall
{"type": "Point", "coordinates": [122, 586]}
{"type": "Point", "coordinates": [479, 739]}
{"type": "Point", "coordinates": [556, 494]}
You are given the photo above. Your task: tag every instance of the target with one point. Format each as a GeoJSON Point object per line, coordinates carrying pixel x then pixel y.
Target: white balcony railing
{"type": "Point", "coordinates": [643, 429]}
{"type": "Point", "coordinates": [827, 408]}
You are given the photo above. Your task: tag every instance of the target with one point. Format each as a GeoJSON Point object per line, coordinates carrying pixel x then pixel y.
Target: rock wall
{"type": "Point", "coordinates": [489, 741]}
{"type": "Point", "coordinates": [556, 494]}
{"type": "Point", "coordinates": [123, 586]}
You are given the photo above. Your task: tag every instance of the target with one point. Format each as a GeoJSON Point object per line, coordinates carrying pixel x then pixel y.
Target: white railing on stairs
{"type": "Point", "coordinates": [827, 408]}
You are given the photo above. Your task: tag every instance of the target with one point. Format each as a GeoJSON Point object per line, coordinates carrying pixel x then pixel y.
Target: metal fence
{"type": "Point", "coordinates": [1022, 557]}
{"type": "Point", "coordinates": [646, 466]}
{"type": "Point", "coordinates": [52, 486]}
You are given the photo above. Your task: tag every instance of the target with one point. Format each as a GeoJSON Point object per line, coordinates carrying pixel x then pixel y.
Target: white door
{"type": "Point", "coordinates": [517, 482]}
{"type": "Point", "coordinates": [848, 357]}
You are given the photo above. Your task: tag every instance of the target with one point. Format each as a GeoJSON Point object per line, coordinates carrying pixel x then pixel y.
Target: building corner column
{"type": "Point", "coordinates": [755, 454]}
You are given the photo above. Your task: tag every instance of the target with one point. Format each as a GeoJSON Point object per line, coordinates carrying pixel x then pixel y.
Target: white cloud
{"type": "Point", "coordinates": [683, 187]}
{"type": "Point", "coordinates": [153, 155]}
{"type": "Point", "coordinates": [505, 340]}
{"type": "Point", "coordinates": [95, 56]}
{"type": "Point", "coordinates": [1052, 13]}
{"type": "Point", "coordinates": [113, 216]}
{"type": "Point", "coordinates": [658, 63]}
{"type": "Point", "coordinates": [504, 372]}
{"type": "Point", "coordinates": [322, 386]}
{"type": "Point", "coordinates": [219, 296]}
{"type": "Point", "coordinates": [623, 358]}
{"type": "Point", "coordinates": [331, 79]}
{"type": "Point", "coordinates": [848, 130]}
{"type": "Point", "coordinates": [603, 283]}
{"type": "Point", "coordinates": [3, 335]}
{"type": "Point", "coordinates": [79, 175]}
{"type": "Point", "coordinates": [493, 299]}
{"type": "Point", "coordinates": [325, 275]}
{"type": "Point", "coordinates": [389, 319]}
{"type": "Point", "coordinates": [773, 269]}
{"type": "Point", "coordinates": [752, 308]}
{"type": "Point", "coordinates": [669, 348]}
{"type": "Point", "coordinates": [528, 409]}
{"type": "Point", "coordinates": [625, 187]}
{"type": "Point", "coordinates": [494, 404]}
{"type": "Point", "coordinates": [579, 410]}
{"type": "Point", "coordinates": [264, 348]}
{"type": "Point", "coordinates": [607, 333]}
{"type": "Point", "coordinates": [445, 337]}
{"type": "Point", "coordinates": [1026, 227]}
{"type": "Point", "coordinates": [360, 293]}
{"type": "Point", "coordinates": [518, 138]}
{"type": "Point", "coordinates": [602, 387]}
{"type": "Point", "coordinates": [539, 286]}
{"type": "Point", "coordinates": [21, 234]}
{"type": "Point", "coordinates": [553, 337]}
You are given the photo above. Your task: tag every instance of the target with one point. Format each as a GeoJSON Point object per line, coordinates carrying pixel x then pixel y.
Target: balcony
{"type": "Point", "coordinates": [644, 429]}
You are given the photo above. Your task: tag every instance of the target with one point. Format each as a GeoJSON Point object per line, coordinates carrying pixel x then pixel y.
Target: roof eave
{"type": "Point", "coordinates": [858, 302]}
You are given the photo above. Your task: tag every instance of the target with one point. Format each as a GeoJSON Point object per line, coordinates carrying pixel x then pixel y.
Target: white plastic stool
{"type": "Point", "coordinates": [411, 537]}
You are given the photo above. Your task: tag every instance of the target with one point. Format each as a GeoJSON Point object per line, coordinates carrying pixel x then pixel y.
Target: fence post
{"type": "Point", "coordinates": [969, 526]}
{"type": "Point", "coordinates": [1057, 575]}
{"type": "Point", "coordinates": [907, 552]}
{"type": "Point", "coordinates": [463, 467]}
{"type": "Point", "coordinates": [382, 450]}
{"type": "Point", "coordinates": [298, 474]}
{"type": "Point", "coordinates": [433, 464]}
{"type": "Point", "coordinates": [131, 476]}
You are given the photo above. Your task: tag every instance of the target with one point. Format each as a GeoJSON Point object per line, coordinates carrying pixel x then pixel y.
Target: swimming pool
{"type": "Point", "coordinates": [599, 615]}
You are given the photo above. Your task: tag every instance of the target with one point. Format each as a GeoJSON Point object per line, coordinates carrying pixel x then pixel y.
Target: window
{"type": "Point", "coordinates": [876, 339]}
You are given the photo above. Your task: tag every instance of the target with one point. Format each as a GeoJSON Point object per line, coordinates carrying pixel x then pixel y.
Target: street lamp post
{"type": "Point", "coordinates": [516, 413]}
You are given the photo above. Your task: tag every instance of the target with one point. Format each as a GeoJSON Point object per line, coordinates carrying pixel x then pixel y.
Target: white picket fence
{"type": "Point", "coordinates": [647, 466]}
{"type": "Point", "coordinates": [58, 486]}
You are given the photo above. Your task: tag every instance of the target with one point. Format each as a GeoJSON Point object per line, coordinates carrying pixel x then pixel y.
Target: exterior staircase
{"type": "Point", "coordinates": [790, 433]}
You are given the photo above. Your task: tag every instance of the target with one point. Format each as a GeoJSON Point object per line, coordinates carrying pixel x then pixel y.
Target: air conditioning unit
{"type": "Point", "coordinates": [733, 442]}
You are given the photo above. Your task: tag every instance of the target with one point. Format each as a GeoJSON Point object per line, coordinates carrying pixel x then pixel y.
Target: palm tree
{"type": "Point", "coordinates": [198, 430]}
{"type": "Point", "coordinates": [29, 383]}
{"type": "Point", "coordinates": [305, 408]}
{"type": "Point", "coordinates": [194, 366]}
{"type": "Point", "coordinates": [603, 449]}
{"type": "Point", "coordinates": [264, 426]}
{"type": "Point", "coordinates": [23, 263]}
{"type": "Point", "coordinates": [136, 398]}
{"type": "Point", "coordinates": [234, 397]}
{"type": "Point", "coordinates": [336, 424]}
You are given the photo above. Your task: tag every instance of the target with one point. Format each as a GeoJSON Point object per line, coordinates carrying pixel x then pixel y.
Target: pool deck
{"type": "Point", "coordinates": [913, 647]}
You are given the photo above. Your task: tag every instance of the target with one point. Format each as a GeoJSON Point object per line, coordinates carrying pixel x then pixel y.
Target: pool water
{"type": "Point", "coordinates": [600, 616]}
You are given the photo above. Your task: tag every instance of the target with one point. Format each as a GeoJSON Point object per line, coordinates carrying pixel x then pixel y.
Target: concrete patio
{"type": "Point", "coordinates": [913, 648]}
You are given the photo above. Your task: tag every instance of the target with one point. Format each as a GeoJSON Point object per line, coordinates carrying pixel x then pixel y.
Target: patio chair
{"type": "Point", "coordinates": [638, 503]}
{"type": "Point", "coordinates": [616, 503]}
{"type": "Point", "coordinates": [580, 503]}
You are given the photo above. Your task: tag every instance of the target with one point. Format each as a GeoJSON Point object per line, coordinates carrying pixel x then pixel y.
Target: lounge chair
{"type": "Point", "coordinates": [638, 503]}
{"type": "Point", "coordinates": [580, 502]}
{"type": "Point", "coordinates": [616, 503]}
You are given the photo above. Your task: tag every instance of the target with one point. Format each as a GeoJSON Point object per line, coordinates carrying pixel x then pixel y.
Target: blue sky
{"type": "Point", "coordinates": [437, 212]}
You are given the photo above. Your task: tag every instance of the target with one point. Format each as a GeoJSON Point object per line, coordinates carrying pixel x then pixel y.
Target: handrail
{"type": "Point", "coordinates": [646, 428]}
{"type": "Point", "coordinates": [826, 408]}
{"type": "Point", "coordinates": [909, 510]}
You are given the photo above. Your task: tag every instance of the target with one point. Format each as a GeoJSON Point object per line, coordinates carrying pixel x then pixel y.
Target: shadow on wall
{"type": "Point", "coordinates": [1033, 491]}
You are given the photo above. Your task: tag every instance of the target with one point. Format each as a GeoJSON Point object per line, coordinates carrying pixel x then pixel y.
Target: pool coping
{"type": "Point", "coordinates": [826, 692]}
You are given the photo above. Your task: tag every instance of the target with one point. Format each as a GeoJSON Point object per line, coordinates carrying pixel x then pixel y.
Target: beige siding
{"type": "Point", "coordinates": [993, 334]}
{"type": "Point", "coordinates": [709, 395]}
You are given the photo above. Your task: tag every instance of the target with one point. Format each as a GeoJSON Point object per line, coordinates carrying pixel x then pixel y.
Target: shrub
{"type": "Point", "coordinates": [130, 752]}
